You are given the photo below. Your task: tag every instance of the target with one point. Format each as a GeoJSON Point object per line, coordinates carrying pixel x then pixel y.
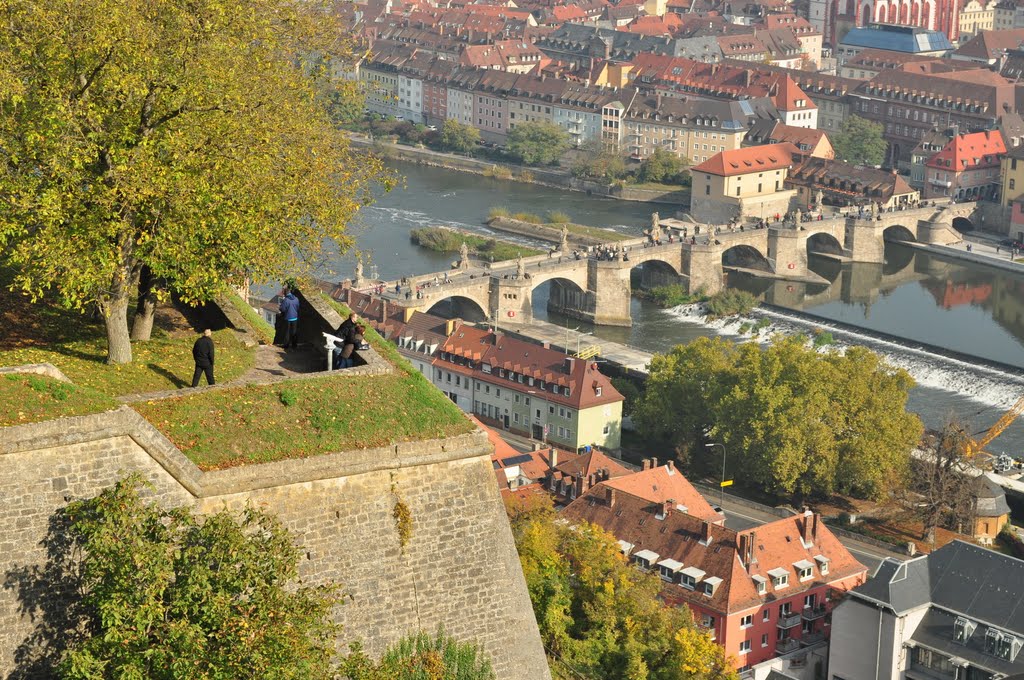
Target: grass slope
{"type": "Point", "coordinates": [32, 398]}
{"type": "Point", "coordinates": [308, 417]}
{"type": "Point", "coordinates": [43, 331]}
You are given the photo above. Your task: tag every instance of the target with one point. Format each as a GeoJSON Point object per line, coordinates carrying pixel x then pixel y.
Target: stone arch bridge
{"type": "Point", "coordinates": [599, 290]}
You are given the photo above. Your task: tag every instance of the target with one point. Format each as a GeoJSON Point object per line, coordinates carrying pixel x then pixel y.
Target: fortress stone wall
{"type": "Point", "coordinates": [459, 569]}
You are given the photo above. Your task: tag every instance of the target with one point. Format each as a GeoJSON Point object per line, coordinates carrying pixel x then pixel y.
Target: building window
{"type": "Point", "coordinates": [745, 647]}
{"type": "Point", "coordinates": [809, 601]}
{"type": "Point", "coordinates": [1013, 182]}
{"type": "Point", "coordinates": [766, 615]}
{"type": "Point", "coordinates": [707, 621]}
{"type": "Point", "coordinates": [764, 640]}
{"type": "Point", "coordinates": [747, 621]}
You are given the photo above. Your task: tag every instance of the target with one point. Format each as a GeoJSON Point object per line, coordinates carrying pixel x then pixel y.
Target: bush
{"type": "Point", "coordinates": [729, 303]}
{"type": "Point", "coordinates": [628, 389]}
{"type": "Point", "coordinates": [288, 397]}
{"type": "Point", "coordinates": [558, 217]}
{"type": "Point", "coordinates": [498, 172]}
{"type": "Point", "coordinates": [822, 338]}
{"type": "Point", "coordinates": [526, 176]}
{"type": "Point", "coordinates": [673, 295]}
{"type": "Point", "coordinates": [498, 211]}
{"type": "Point", "coordinates": [533, 218]}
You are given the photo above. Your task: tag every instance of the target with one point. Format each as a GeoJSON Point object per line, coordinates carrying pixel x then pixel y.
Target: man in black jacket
{"type": "Point", "coordinates": [202, 352]}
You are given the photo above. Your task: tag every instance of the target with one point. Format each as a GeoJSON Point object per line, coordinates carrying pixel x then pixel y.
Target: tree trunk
{"type": "Point", "coordinates": [115, 316]}
{"type": "Point", "coordinates": [145, 309]}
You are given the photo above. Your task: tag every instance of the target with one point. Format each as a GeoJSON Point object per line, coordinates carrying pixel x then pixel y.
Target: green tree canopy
{"type": "Point", "coordinates": [860, 141]}
{"type": "Point", "coordinates": [456, 136]}
{"type": "Point", "coordinates": [599, 162]}
{"type": "Point", "coordinates": [661, 166]}
{"type": "Point", "coordinates": [537, 143]}
{"type": "Point", "coordinates": [792, 420]}
{"type": "Point", "coordinates": [601, 617]}
{"type": "Point", "coordinates": [190, 139]}
{"type": "Point", "coordinates": [168, 595]}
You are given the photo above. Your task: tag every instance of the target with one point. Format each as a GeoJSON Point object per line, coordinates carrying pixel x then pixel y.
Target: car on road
{"type": "Point", "coordinates": [1011, 243]}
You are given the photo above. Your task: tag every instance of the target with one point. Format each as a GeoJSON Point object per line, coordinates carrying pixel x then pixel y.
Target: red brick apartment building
{"type": "Point", "coordinates": [760, 592]}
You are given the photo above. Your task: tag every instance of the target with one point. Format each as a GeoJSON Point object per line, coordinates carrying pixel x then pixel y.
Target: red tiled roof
{"type": "Point", "coordinates": [660, 484]}
{"type": "Point", "coordinates": [970, 151]}
{"type": "Point", "coordinates": [588, 387]}
{"type": "Point", "coordinates": [748, 160]}
{"type": "Point", "coordinates": [719, 552]}
{"type": "Point", "coordinates": [590, 463]}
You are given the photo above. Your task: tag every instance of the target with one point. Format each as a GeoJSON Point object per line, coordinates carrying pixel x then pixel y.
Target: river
{"type": "Point", "coordinates": [915, 297]}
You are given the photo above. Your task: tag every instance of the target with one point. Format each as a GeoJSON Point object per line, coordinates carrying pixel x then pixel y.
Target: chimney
{"type": "Point", "coordinates": [546, 344]}
{"type": "Point", "coordinates": [567, 365]}
{"type": "Point", "coordinates": [609, 496]}
{"type": "Point", "coordinates": [605, 474]}
{"type": "Point", "coordinates": [407, 313]}
{"type": "Point", "coordinates": [743, 548]}
{"type": "Point", "coordinates": [805, 526]}
{"type": "Point", "coordinates": [646, 464]}
{"type": "Point", "coordinates": [383, 311]}
{"type": "Point", "coordinates": [449, 327]}
{"type": "Point", "coordinates": [705, 533]}
{"type": "Point", "coordinates": [654, 462]}
{"type": "Point", "coordinates": [814, 527]}
{"type": "Point", "coordinates": [671, 465]}
{"type": "Point", "coordinates": [751, 544]}
{"type": "Point", "coordinates": [581, 486]}
{"type": "Point", "coordinates": [553, 459]}
{"type": "Point", "coordinates": [666, 507]}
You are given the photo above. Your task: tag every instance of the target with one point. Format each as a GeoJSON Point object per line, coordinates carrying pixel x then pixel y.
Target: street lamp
{"type": "Point", "coordinates": [721, 503]}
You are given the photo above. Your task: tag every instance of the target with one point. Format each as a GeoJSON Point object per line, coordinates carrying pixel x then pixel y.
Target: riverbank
{"type": "Point", "coordinates": [553, 178]}
{"type": "Point", "coordinates": [451, 240]}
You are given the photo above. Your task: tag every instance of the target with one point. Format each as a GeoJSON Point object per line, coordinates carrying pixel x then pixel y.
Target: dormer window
{"type": "Point", "coordinates": [711, 584]}
{"type": "Point", "coordinates": [962, 630]}
{"type": "Point", "coordinates": [762, 584]}
{"type": "Point", "coordinates": [597, 390]}
{"type": "Point", "coordinates": [780, 578]}
{"type": "Point", "coordinates": [822, 564]}
{"type": "Point", "coordinates": [804, 570]}
{"type": "Point", "coordinates": [1002, 645]}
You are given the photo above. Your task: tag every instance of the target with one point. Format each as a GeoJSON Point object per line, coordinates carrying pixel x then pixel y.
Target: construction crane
{"type": "Point", "coordinates": [975, 446]}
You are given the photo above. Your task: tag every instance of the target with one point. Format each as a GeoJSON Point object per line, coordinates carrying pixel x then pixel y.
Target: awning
{"type": "Point", "coordinates": [647, 555]}
{"type": "Point", "coordinates": [778, 572]}
{"type": "Point", "coordinates": [822, 559]}
{"type": "Point", "coordinates": [713, 581]}
{"type": "Point", "coordinates": [804, 564]}
{"type": "Point", "coordinates": [625, 546]}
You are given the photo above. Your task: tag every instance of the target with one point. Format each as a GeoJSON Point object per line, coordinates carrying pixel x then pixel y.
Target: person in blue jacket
{"type": "Point", "coordinates": [290, 312]}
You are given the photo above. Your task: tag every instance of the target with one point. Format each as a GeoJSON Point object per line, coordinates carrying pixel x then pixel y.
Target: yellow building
{"type": "Point", "coordinates": [1012, 176]}
{"type": "Point", "coordinates": [976, 16]}
{"type": "Point", "coordinates": [742, 183]}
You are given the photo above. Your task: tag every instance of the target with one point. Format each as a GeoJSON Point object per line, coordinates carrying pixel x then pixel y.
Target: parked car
{"type": "Point", "coordinates": [1011, 243]}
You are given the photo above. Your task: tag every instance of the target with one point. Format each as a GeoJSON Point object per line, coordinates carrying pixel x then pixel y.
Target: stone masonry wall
{"type": "Point", "coordinates": [459, 570]}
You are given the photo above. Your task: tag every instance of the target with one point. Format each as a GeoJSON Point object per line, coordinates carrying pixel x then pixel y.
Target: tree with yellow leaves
{"type": "Point", "coordinates": [599, 617]}
{"type": "Point", "coordinates": [169, 141]}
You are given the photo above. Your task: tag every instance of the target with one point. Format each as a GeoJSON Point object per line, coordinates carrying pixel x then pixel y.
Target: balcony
{"type": "Point", "coordinates": [790, 620]}
{"type": "Point", "coordinates": [813, 613]}
{"type": "Point", "coordinates": [786, 646]}
{"type": "Point", "coordinates": [940, 182]}
{"type": "Point", "coordinates": [808, 639]}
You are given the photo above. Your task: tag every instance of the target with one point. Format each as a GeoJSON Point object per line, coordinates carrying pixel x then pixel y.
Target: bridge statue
{"type": "Point", "coordinates": [358, 281]}
{"type": "Point", "coordinates": [463, 256]}
{"type": "Point", "coordinates": [798, 217]}
{"type": "Point", "coordinates": [520, 267]}
{"type": "Point", "coordinates": [819, 199]}
{"type": "Point", "coordinates": [564, 245]}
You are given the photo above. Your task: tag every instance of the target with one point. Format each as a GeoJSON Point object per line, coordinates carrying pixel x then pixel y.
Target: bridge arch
{"type": "Point", "coordinates": [745, 256]}
{"type": "Point", "coordinates": [824, 242]}
{"type": "Point", "coordinates": [652, 273]}
{"type": "Point", "coordinates": [898, 232]}
{"type": "Point", "coordinates": [459, 307]}
{"type": "Point", "coordinates": [560, 295]}
{"type": "Point", "coordinates": [962, 224]}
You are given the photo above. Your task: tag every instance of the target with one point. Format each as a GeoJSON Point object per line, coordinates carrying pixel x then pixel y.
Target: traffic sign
{"type": "Point", "coordinates": [726, 483]}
